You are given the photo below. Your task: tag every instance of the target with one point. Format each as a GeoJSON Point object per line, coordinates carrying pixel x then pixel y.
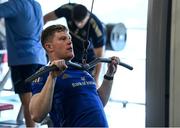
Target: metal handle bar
{"type": "Point", "coordinates": [78, 66]}
{"type": "Point", "coordinates": [50, 68]}
{"type": "Point", "coordinates": [107, 60]}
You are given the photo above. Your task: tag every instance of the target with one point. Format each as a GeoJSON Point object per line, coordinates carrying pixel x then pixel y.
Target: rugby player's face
{"type": "Point", "coordinates": [62, 46]}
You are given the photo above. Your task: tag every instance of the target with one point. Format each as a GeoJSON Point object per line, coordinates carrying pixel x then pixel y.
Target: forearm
{"type": "Point", "coordinates": [41, 103]}
{"type": "Point", "coordinates": [99, 53]}
{"type": "Point", "coordinates": [105, 91]}
{"type": "Point", "coordinates": [97, 71]}
{"type": "Point", "coordinates": [49, 17]}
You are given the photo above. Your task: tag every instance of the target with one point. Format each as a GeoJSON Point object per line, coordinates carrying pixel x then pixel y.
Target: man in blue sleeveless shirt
{"type": "Point", "coordinates": [24, 24]}
{"type": "Point", "coordinates": [83, 25]}
{"type": "Point", "coordinates": [69, 95]}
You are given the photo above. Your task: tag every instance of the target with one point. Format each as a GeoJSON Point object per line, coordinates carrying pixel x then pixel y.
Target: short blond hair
{"type": "Point", "coordinates": [48, 33]}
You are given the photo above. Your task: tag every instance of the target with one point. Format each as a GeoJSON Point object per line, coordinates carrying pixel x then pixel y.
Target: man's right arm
{"type": "Point", "coordinates": [50, 16]}
{"type": "Point", "coordinates": [41, 103]}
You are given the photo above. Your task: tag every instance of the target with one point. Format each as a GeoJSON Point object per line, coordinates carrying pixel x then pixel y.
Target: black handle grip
{"type": "Point", "coordinates": [51, 68]}
{"type": "Point", "coordinates": [40, 72]}
{"type": "Point", "coordinates": [126, 66]}
{"type": "Point", "coordinates": [107, 60]}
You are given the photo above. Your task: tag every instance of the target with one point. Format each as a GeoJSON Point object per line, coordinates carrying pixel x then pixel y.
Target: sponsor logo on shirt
{"type": "Point", "coordinates": [83, 78]}
{"type": "Point", "coordinates": [37, 80]}
{"type": "Point", "coordinates": [65, 76]}
{"type": "Point", "coordinates": [83, 83]}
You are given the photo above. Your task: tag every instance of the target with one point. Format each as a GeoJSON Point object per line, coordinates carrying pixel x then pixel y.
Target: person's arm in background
{"type": "Point", "coordinates": [99, 53]}
{"type": "Point", "coordinates": [98, 37]}
{"type": "Point", "coordinates": [105, 89]}
{"type": "Point", "coordinates": [8, 9]}
{"type": "Point", "coordinates": [50, 17]}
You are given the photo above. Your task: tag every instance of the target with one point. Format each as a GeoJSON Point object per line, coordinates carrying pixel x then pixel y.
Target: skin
{"type": "Point", "coordinates": [62, 40]}
{"type": "Point", "coordinates": [99, 52]}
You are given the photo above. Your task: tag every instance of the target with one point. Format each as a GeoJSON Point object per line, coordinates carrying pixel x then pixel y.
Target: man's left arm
{"type": "Point", "coordinates": [105, 89]}
{"type": "Point", "coordinates": [99, 53]}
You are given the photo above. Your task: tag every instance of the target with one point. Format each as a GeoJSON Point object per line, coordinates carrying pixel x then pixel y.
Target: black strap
{"type": "Point", "coordinates": [108, 77]}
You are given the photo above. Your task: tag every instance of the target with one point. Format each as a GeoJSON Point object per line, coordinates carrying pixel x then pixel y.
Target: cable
{"type": "Point", "coordinates": [87, 42]}
{"type": "Point", "coordinates": [90, 17]}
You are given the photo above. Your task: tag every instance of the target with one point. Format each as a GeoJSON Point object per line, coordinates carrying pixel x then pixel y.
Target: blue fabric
{"type": "Point", "coordinates": [24, 24]}
{"type": "Point", "coordinates": [97, 35]}
{"type": "Point", "coordinates": [76, 102]}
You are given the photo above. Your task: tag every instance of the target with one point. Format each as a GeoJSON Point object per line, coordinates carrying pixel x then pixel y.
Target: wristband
{"type": "Point", "coordinates": [108, 77]}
